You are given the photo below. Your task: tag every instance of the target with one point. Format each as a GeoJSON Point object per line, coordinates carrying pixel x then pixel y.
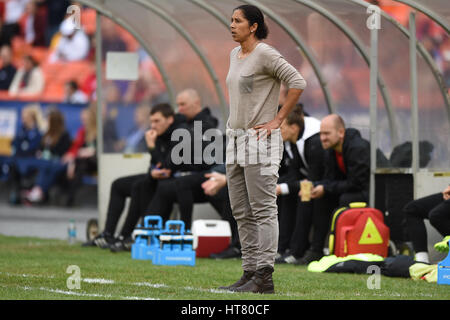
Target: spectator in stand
{"type": "Point", "coordinates": [14, 9]}
{"type": "Point", "coordinates": [111, 40]}
{"type": "Point", "coordinates": [135, 140]}
{"type": "Point", "coordinates": [73, 94]}
{"type": "Point", "coordinates": [25, 145]}
{"type": "Point", "coordinates": [89, 85]}
{"type": "Point", "coordinates": [33, 24]}
{"type": "Point", "coordinates": [110, 136]}
{"type": "Point", "coordinates": [26, 141]}
{"type": "Point", "coordinates": [112, 95]}
{"type": "Point", "coordinates": [28, 80]}
{"type": "Point", "coordinates": [73, 44]}
{"type": "Point", "coordinates": [82, 148]}
{"type": "Point", "coordinates": [54, 144]}
{"type": "Point", "coordinates": [82, 157]}
{"type": "Point", "coordinates": [56, 11]}
{"type": "Point", "coordinates": [7, 70]}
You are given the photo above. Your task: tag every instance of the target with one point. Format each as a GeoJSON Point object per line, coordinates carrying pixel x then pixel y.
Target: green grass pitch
{"type": "Point", "coordinates": [33, 268]}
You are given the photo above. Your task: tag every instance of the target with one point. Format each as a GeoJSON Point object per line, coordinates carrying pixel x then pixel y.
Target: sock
{"type": "Point", "coordinates": [422, 257]}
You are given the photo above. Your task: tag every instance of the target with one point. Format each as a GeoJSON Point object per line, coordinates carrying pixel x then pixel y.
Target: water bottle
{"type": "Point", "coordinates": [72, 231]}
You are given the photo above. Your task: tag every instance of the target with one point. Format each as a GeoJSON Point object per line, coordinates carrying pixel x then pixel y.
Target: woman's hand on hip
{"type": "Point", "coordinates": [266, 128]}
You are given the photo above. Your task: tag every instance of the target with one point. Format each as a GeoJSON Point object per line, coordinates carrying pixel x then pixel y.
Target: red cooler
{"type": "Point", "coordinates": [210, 236]}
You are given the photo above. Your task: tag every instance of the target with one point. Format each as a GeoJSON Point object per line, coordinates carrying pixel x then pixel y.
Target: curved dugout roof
{"type": "Point", "coordinates": [326, 40]}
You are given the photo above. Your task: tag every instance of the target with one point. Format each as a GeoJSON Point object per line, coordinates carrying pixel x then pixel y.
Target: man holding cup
{"type": "Point", "coordinates": [346, 178]}
{"type": "Point", "coordinates": [302, 163]}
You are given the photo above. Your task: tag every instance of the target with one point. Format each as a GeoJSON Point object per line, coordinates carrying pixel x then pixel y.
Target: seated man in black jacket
{"type": "Point", "coordinates": [346, 178]}
{"type": "Point", "coordinates": [190, 169]}
{"type": "Point", "coordinates": [141, 187]}
{"type": "Point", "coordinates": [302, 159]}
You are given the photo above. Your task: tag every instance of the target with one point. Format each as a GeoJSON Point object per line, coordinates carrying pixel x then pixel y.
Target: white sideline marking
{"type": "Point", "coordinates": [81, 294]}
{"type": "Point", "coordinates": [108, 281]}
{"type": "Point", "coordinates": [208, 290]}
{"type": "Point", "coordinates": [26, 275]}
{"type": "Point", "coordinates": [152, 285]}
{"type": "Point", "coordinates": [101, 281]}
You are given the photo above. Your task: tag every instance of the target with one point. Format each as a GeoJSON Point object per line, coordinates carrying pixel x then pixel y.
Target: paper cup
{"type": "Point", "coordinates": [306, 188]}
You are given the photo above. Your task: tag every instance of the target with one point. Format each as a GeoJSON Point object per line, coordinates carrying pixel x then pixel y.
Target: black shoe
{"type": "Point", "coordinates": [121, 244]}
{"type": "Point", "coordinates": [309, 257]}
{"type": "Point", "coordinates": [89, 243]}
{"type": "Point", "coordinates": [104, 240]}
{"type": "Point", "coordinates": [230, 252]}
{"type": "Point", "coordinates": [282, 253]}
{"type": "Point", "coordinates": [281, 258]}
{"type": "Point", "coordinates": [290, 259]}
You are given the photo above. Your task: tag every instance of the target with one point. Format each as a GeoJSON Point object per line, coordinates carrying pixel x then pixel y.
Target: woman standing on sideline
{"type": "Point", "coordinates": [253, 81]}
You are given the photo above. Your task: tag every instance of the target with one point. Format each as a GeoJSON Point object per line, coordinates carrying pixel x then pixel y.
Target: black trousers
{"type": "Point", "coordinates": [399, 192]}
{"type": "Point", "coordinates": [186, 191]}
{"type": "Point", "coordinates": [295, 223]}
{"type": "Point", "coordinates": [140, 189]}
{"type": "Point", "coordinates": [287, 207]}
{"type": "Point", "coordinates": [436, 210]}
{"type": "Point", "coordinates": [323, 211]}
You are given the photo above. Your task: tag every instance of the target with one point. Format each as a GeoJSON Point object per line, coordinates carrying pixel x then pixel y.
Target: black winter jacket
{"type": "Point", "coordinates": [356, 154]}
{"type": "Point", "coordinates": [208, 121]}
{"type": "Point", "coordinates": [161, 153]}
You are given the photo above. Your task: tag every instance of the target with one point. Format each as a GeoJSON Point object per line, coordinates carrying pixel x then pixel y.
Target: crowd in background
{"type": "Point", "coordinates": [433, 37]}
{"type": "Point", "coordinates": [38, 34]}
{"type": "Point", "coordinates": [46, 56]}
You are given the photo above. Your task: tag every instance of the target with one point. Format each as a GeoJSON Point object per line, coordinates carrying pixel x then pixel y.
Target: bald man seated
{"type": "Point", "coordinates": [346, 177]}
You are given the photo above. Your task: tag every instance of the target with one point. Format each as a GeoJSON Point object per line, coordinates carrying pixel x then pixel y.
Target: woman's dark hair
{"type": "Point", "coordinates": [254, 15]}
{"type": "Point", "coordinates": [56, 126]}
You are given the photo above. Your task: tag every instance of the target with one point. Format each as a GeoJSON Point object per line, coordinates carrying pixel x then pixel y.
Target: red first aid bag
{"type": "Point", "coordinates": [358, 229]}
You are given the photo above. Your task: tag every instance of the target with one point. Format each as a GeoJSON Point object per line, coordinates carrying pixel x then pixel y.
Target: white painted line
{"type": "Point", "coordinates": [151, 285]}
{"type": "Point", "coordinates": [140, 284]}
{"type": "Point", "coordinates": [80, 294]}
{"type": "Point", "coordinates": [101, 281]}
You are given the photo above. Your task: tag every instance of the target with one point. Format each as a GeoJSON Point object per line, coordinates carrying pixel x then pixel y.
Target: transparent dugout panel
{"type": "Point", "coordinates": [345, 71]}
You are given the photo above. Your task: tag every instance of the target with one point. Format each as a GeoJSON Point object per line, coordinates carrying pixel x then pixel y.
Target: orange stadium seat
{"type": "Point", "coordinates": [88, 20]}
{"type": "Point", "coordinates": [57, 74]}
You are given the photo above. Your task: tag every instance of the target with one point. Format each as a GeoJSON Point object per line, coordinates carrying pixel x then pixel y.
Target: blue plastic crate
{"type": "Point", "coordinates": [147, 239]}
{"type": "Point", "coordinates": [175, 246]}
{"type": "Point", "coordinates": [444, 270]}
